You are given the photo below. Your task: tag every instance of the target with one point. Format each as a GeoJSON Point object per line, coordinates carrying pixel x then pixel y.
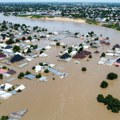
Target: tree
{"type": "Point", "coordinates": [41, 52]}
{"type": "Point", "coordinates": [46, 71]}
{"type": "Point", "coordinates": [33, 67]}
{"type": "Point", "coordinates": [90, 56]}
{"type": "Point", "coordinates": [29, 38]}
{"type": "Point", "coordinates": [27, 73]}
{"type": "Point", "coordinates": [69, 49]}
{"type": "Point", "coordinates": [10, 41]}
{"type": "Point", "coordinates": [58, 44]}
{"type": "Point", "coordinates": [38, 76]}
{"type": "Point", "coordinates": [29, 50]}
{"type": "Point", "coordinates": [4, 67]}
{"type": "Point", "coordinates": [103, 55]}
{"type": "Point", "coordinates": [1, 76]}
{"type": "Point", "coordinates": [4, 118]}
{"type": "Point", "coordinates": [100, 98]}
{"type": "Point", "coordinates": [16, 48]}
{"type": "Point", "coordinates": [112, 76]}
{"type": "Point", "coordinates": [104, 84]}
{"type": "Point", "coordinates": [84, 69]}
{"type": "Point", "coordinates": [23, 38]}
{"type": "Point", "coordinates": [21, 75]}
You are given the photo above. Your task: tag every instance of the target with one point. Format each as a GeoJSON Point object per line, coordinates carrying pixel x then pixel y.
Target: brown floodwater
{"type": "Point", "coordinates": [70, 98]}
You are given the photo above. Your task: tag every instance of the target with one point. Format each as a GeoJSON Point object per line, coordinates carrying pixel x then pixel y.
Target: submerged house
{"type": "Point", "coordinates": [17, 58]}
{"type": "Point", "coordinates": [11, 71]}
{"type": "Point", "coordinates": [17, 115]}
{"type": "Point", "coordinates": [2, 56]}
{"type": "Point", "coordinates": [117, 63]}
{"type": "Point", "coordinates": [29, 76]}
{"type": "Point", "coordinates": [65, 57]}
{"type": "Point", "coordinates": [82, 54]}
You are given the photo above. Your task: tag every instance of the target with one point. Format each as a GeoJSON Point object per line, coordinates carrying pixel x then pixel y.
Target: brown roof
{"type": "Point", "coordinates": [82, 54]}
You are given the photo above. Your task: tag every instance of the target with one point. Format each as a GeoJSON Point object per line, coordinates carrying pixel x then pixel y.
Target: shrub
{"type": "Point", "coordinates": [64, 46]}
{"type": "Point", "coordinates": [33, 67]}
{"type": "Point", "coordinates": [100, 98]}
{"type": "Point", "coordinates": [27, 73]}
{"type": "Point", "coordinates": [104, 84]}
{"type": "Point", "coordinates": [16, 48]}
{"type": "Point", "coordinates": [38, 76]}
{"type": "Point", "coordinates": [84, 69]}
{"type": "Point", "coordinates": [1, 76]}
{"type": "Point", "coordinates": [10, 89]}
{"type": "Point", "coordinates": [90, 56]}
{"type": "Point", "coordinates": [4, 67]}
{"type": "Point", "coordinates": [4, 118]}
{"type": "Point", "coordinates": [29, 50]}
{"type": "Point", "coordinates": [21, 75]}
{"type": "Point", "coordinates": [58, 44]}
{"type": "Point", "coordinates": [19, 90]}
{"type": "Point", "coordinates": [113, 104]}
{"type": "Point", "coordinates": [103, 55]}
{"type": "Point", "coordinates": [112, 76]}
{"type": "Point", "coordinates": [46, 71]}
{"type": "Point", "coordinates": [41, 64]}
{"type": "Point", "coordinates": [41, 52]}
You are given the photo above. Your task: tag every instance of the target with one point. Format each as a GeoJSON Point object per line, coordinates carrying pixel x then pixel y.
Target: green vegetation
{"type": "Point", "coordinates": [16, 48]}
{"type": "Point", "coordinates": [90, 21]}
{"type": "Point", "coordinates": [4, 67]}
{"type": "Point", "coordinates": [4, 118]}
{"type": "Point", "coordinates": [84, 69]}
{"type": "Point", "coordinates": [104, 84]}
{"type": "Point", "coordinates": [33, 67]}
{"type": "Point", "coordinates": [103, 55]}
{"type": "Point", "coordinates": [29, 50]}
{"type": "Point", "coordinates": [24, 15]}
{"type": "Point", "coordinates": [31, 16]}
{"type": "Point", "coordinates": [1, 76]}
{"type": "Point", "coordinates": [29, 38]}
{"type": "Point", "coordinates": [41, 52]}
{"type": "Point", "coordinates": [70, 49]}
{"type": "Point", "coordinates": [46, 71]}
{"type": "Point", "coordinates": [10, 41]}
{"type": "Point", "coordinates": [113, 26]}
{"type": "Point", "coordinates": [27, 73]}
{"type": "Point", "coordinates": [58, 44]}
{"type": "Point", "coordinates": [112, 76]}
{"type": "Point", "coordinates": [112, 103]}
{"type": "Point", "coordinates": [37, 16]}
{"type": "Point", "coordinates": [21, 75]}
{"type": "Point", "coordinates": [38, 76]}
{"type": "Point", "coordinates": [90, 56]}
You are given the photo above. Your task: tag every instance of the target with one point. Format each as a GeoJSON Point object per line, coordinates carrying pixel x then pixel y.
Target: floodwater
{"type": "Point", "coordinates": [70, 98]}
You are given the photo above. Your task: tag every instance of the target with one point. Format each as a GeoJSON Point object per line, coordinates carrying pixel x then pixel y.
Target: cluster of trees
{"type": "Point", "coordinates": [4, 118]}
{"type": "Point", "coordinates": [112, 103]}
{"type": "Point", "coordinates": [113, 26]}
{"type": "Point", "coordinates": [22, 74]}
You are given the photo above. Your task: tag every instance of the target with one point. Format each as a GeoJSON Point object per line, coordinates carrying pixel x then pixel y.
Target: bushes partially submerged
{"type": "Point", "coordinates": [104, 84]}
{"type": "Point", "coordinates": [112, 76]}
{"type": "Point", "coordinates": [112, 103]}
